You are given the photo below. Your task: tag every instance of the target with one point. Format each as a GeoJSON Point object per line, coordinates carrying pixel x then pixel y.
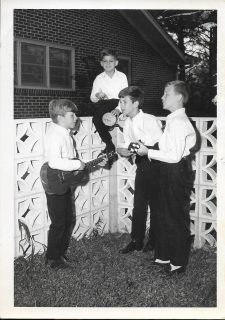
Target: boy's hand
{"type": "Point", "coordinates": [103, 162]}
{"type": "Point", "coordinates": [124, 152]}
{"type": "Point", "coordinates": [143, 150]}
{"type": "Point", "coordinates": [101, 95]}
{"type": "Point", "coordinates": [115, 112]}
{"type": "Point", "coordinates": [82, 165]}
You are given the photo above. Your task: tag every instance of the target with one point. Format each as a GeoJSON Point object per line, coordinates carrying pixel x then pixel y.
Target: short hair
{"type": "Point", "coordinates": [108, 52]}
{"type": "Point", "coordinates": [134, 92]}
{"type": "Point", "coordinates": [59, 107]}
{"type": "Point", "coordinates": [180, 87]}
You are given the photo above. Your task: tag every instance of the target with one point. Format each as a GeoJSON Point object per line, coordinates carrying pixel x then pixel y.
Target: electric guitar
{"type": "Point", "coordinates": [55, 181]}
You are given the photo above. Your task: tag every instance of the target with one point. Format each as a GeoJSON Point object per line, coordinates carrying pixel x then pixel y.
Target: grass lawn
{"type": "Point", "coordinates": [102, 277]}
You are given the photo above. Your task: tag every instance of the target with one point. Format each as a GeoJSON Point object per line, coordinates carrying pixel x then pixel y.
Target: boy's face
{"type": "Point", "coordinates": [68, 121]}
{"type": "Point", "coordinates": [171, 99]}
{"type": "Point", "coordinates": [109, 63]}
{"type": "Point", "coordinates": [128, 107]}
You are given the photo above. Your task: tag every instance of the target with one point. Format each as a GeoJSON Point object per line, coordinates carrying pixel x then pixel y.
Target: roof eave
{"type": "Point", "coordinates": [155, 35]}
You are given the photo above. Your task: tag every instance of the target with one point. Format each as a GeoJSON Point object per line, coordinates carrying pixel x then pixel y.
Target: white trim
{"type": "Point", "coordinates": [47, 68]}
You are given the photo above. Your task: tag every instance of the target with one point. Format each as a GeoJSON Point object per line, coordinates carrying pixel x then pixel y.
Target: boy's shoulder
{"type": "Point", "coordinates": [100, 75]}
{"type": "Point", "coordinates": [55, 130]}
{"type": "Point", "coordinates": [120, 73]}
{"type": "Point", "coordinates": [180, 122]}
{"type": "Point", "coordinates": [148, 116]}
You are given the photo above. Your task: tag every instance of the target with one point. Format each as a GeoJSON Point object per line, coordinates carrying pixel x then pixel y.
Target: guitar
{"type": "Point", "coordinates": [112, 121]}
{"type": "Point", "coordinates": [55, 181]}
{"type": "Point", "coordinates": [133, 147]}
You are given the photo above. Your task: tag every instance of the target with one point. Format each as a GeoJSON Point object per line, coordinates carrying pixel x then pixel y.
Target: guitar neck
{"type": "Point", "coordinates": [92, 163]}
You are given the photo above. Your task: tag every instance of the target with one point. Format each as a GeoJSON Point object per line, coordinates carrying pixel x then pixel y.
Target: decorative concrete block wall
{"type": "Point", "coordinates": [106, 200]}
{"type": "Point", "coordinates": [91, 198]}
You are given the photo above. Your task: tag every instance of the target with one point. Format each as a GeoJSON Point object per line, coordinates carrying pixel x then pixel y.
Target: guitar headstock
{"type": "Point", "coordinates": [133, 147]}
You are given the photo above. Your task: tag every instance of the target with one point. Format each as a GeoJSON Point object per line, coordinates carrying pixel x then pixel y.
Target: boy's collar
{"type": "Point", "coordinates": [115, 71]}
{"type": "Point", "coordinates": [137, 115]}
{"type": "Point", "coordinates": [175, 113]}
{"type": "Point", "coordinates": [59, 127]}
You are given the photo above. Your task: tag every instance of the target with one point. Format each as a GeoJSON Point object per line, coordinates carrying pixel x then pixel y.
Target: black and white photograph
{"type": "Point", "coordinates": [113, 160]}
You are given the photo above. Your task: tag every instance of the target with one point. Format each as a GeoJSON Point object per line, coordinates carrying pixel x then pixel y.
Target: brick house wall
{"type": "Point", "coordinates": [89, 31]}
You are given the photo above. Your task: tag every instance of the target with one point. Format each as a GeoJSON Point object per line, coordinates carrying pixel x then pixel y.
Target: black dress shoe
{"type": "Point", "coordinates": [148, 247]}
{"type": "Point", "coordinates": [132, 246]}
{"type": "Point", "coordinates": [59, 264]}
{"type": "Point", "coordinates": [65, 258]}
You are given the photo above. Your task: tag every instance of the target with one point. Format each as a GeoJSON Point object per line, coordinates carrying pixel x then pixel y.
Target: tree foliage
{"type": "Point", "coordinates": [194, 31]}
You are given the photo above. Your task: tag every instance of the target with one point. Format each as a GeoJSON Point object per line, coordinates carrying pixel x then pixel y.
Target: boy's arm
{"type": "Point", "coordinates": [97, 93]}
{"type": "Point", "coordinates": [66, 164]}
{"type": "Point", "coordinates": [55, 160]}
{"type": "Point", "coordinates": [123, 150]}
{"type": "Point", "coordinates": [152, 126]}
{"type": "Point", "coordinates": [174, 149]}
{"type": "Point", "coordinates": [95, 89]}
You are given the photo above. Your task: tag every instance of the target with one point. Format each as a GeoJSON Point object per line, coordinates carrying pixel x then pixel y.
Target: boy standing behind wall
{"type": "Point", "coordinates": [105, 90]}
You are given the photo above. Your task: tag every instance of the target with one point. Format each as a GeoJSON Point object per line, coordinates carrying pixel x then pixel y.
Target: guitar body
{"type": "Point", "coordinates": [109, 119]}
{"type": "Point", "coordinates": [133, 147]}
{"type": "Point", "coordinates": [112, 121]}
{"type": "Point", "coordinates": [55, 181]}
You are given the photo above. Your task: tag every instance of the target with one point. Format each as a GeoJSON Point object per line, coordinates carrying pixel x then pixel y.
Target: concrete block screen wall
{"type": "Point", "coordinates": [106, 200]}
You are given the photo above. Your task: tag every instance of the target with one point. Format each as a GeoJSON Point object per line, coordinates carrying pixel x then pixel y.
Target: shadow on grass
{"type": "Point", "coordinates": [102, 277]}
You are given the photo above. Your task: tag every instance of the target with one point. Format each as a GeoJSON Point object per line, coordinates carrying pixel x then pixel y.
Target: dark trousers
{"type": "Point", "coordinates": [62, 224]}
{"type": "Point", "coordinates": [100, 108]}
{"type": "Point", "coordinates": [173, 220]}
{"type": "Point", "coordinates": [146, 193]}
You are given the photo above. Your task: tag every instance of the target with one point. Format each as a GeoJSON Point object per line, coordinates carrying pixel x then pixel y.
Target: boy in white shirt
{"type": "Point", "coordinates": [104, 95]}
{"type": "Point", "coordinates": [176, 180]}
{"type": "Point", "coordinates": [145, 127]}
{"type": "Point", "coordinates": [60, 154]}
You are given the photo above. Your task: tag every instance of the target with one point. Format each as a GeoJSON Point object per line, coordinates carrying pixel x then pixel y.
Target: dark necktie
{"type": "Point", "coordinates": [74, 143]}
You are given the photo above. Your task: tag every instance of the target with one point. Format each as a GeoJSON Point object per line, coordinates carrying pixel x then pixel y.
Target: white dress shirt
{"type": "Point", "coordinates": [59, 149]}
{"type": "Point", "coordinates": [178, 137]}
{"type": "Point", "coordinates": [144, 127]}
{"type": "Point", "coordinates": [110, 86]}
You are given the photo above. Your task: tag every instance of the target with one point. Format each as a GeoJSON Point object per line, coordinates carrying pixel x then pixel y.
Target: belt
{"type": "Point", "coordinates": [154, 161]}
{"type": "Point", "coordinates": [144, 159]}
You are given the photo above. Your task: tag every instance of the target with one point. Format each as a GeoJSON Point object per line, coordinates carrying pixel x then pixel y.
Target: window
{"type": "Point", "coordinates": [124, 66]}
{"type": "Point", "coordinates": [43, 66]}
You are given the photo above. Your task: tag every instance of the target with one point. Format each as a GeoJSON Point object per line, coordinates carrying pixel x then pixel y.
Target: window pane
{"type": "Point", "coordinates": [33, 64]}
{"type": "Point", "coordinates": [15, 63]}
{"type": "Point", "coordinates": [60, 68]}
